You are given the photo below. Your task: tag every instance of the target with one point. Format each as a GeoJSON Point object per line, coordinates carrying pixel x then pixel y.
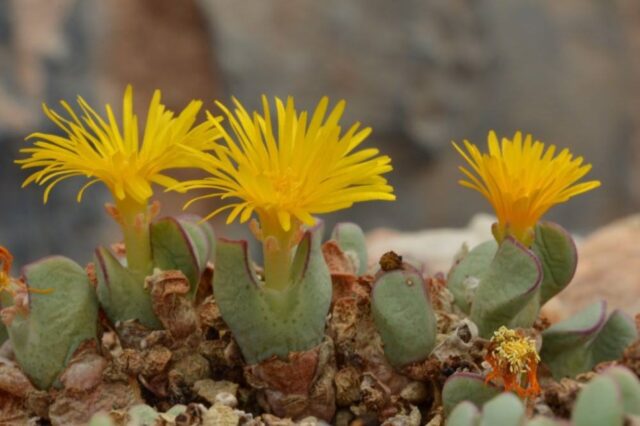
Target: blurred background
{"type": "Point", "coordinates": [420, 72]}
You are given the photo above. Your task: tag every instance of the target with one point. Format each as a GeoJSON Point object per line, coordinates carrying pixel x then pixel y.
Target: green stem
{"type": "Point", "coordinates": [134, 221]}
{"type": "Point", "coordinates": [277, 247]}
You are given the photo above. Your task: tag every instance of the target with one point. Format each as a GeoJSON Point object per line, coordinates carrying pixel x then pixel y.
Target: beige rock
{"type": "Point", "coordinates": [432, 248]}
{"type": "Point", "coordinates": [221, 415]}
{"type": "Point", "coordinates": [210, 389]}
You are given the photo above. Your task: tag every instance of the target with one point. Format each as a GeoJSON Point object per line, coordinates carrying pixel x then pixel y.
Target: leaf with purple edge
{"type": "Point", "coordinates": [403, 316]}
{"type": "Point", "coordinates": [559, 258]}
{"type": "Point", "coordinates": [182, 244]}
{"type": "Point", "coordinates": [465, 276]}
{"type": "Point", "coordinates": [121, 293]}
{"type": "Point", "coordinates": [509, 288]}
{"type": "Point", "coordinates": [578, 343]}
{"type": "Point", "coordinates": [61, 317]}
{"type": "Point", "coordinates": [267, 322]}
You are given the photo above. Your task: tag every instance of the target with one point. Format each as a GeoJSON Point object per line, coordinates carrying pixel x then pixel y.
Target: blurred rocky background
{"type": "Point", "coordinates": [420, 72]}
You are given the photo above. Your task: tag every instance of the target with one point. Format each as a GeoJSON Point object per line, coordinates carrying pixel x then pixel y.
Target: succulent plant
{"type": "Point", "coordinates": [578, 343]}
{"type": "Point", "coordinates": [464, 386]}
{"type": "Point", "coordinates": [609, 398]}
{"type": "Point", "coordinates": [60, 314]}
{"type": "Point", "coordinates": [285, 178]}
{"type": "Point", "coordinates": [403, 315]}
{"type": "Point", "coordinates": [479, 281]}
{"type": "Point", "coordinates": [351, 240]}
{"type": "Point", "coordinates": [267, 322]}
{"type": "Point", "coordinates": [278, 176]}
{"type": "Point", "coordinates": [176, 244]}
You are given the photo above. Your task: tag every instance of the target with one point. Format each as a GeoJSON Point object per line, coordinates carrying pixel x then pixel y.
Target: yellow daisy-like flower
{"type": "Point", "coordinates": [288, 171]}
{"type": "Point", "coordinates": [522, 181]}
{"type": "Point", "coordinates": [99, 148]}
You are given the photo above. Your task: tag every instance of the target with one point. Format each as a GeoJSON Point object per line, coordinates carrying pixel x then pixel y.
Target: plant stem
{"type": "Point", "coordinates": [134, 220]}
{"type": "Point", "coordinates": [277, 247]}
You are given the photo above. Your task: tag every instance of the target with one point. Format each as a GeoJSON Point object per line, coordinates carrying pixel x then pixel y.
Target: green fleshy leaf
{"type": "Point", "coordinates": [353, 243]}
{"type": "Point", "coordinates": [465, 276]}
{"type": "Point", "coordinates": [505, 410]}
{"type": "Point", "coordinates": [59, 320]}
{"type": "Point", "coordinates": [618, 332]}
{"type": "Point", "coordinates": [268, 322]}
{"type": "Point", "coordinates": [466, 387]}
{"type": "Point", "coordinates": [121, 293]}
{"type": "Point", "coordinates": [599, 403]}
{"type": "Point", "coordinates": [465, 414]}
{"type": "Point", "coordinates": [403, 316]}
{"type": "Point", "coordinates": [507, 289]}
{"type": "Point", "coordinates": [557, 252]}
{"type": "Point", "coordinates": [577, 344]}
{"type": "Point", "coordinates": [629, 388]}
{"type": "Point", "coordinates": [182, 244]}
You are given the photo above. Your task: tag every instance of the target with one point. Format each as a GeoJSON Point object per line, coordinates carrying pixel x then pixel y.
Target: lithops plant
{"type": "Point", "coordinates": [284, 173]}
{"type": "Point", "coordinates": [128, 163]}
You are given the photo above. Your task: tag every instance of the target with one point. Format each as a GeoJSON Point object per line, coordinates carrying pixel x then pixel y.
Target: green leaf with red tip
{"type": "Point", "coordinates": [121, 293]}
{"type": "Point", "coordinates": [403, 316]}
{"type": "Point", "coordinates": [63, 315]}
{"type": "Point", "coordinates": [508, 291]}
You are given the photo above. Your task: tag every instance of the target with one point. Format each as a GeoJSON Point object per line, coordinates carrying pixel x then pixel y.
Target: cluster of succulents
{"type": "Point", "coordinates": [180, 320]}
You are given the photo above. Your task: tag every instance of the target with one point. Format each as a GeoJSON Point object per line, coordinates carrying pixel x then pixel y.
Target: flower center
{"type": "Point", "coordinates": [286, 184]}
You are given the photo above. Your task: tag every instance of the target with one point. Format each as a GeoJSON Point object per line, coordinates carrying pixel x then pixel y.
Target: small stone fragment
{"type": "Point", "coordinates": [221, 415]}
{"type": "Point", "coordinates": [412, 419]}
{"type": "Point", "coordinates": [415, 393]}
{"type": "Point", "coordinates": [209, 390]}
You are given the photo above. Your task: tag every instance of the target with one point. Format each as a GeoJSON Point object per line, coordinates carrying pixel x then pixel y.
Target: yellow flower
{"type": "Point", "coordinates": [298, 167]}
{"type": "Point", "coordinates": [522, 181]}
{"type": "Point", "coordinates": [514, 359]}
{"type": "Point", "coordinates": [289, 171]}
{"type": "Point", "coordinates": [99, 148]}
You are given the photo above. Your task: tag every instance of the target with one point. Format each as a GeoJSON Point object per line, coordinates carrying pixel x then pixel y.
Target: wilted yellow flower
{"type": "Point", "coordinates": [522, 181]}
{"type": "Point", "coordinates": [99, 149]}
{"type": "Point", "coordinates": [514, 359]}
{"type": "Point", "coordinates": [288, 171]}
